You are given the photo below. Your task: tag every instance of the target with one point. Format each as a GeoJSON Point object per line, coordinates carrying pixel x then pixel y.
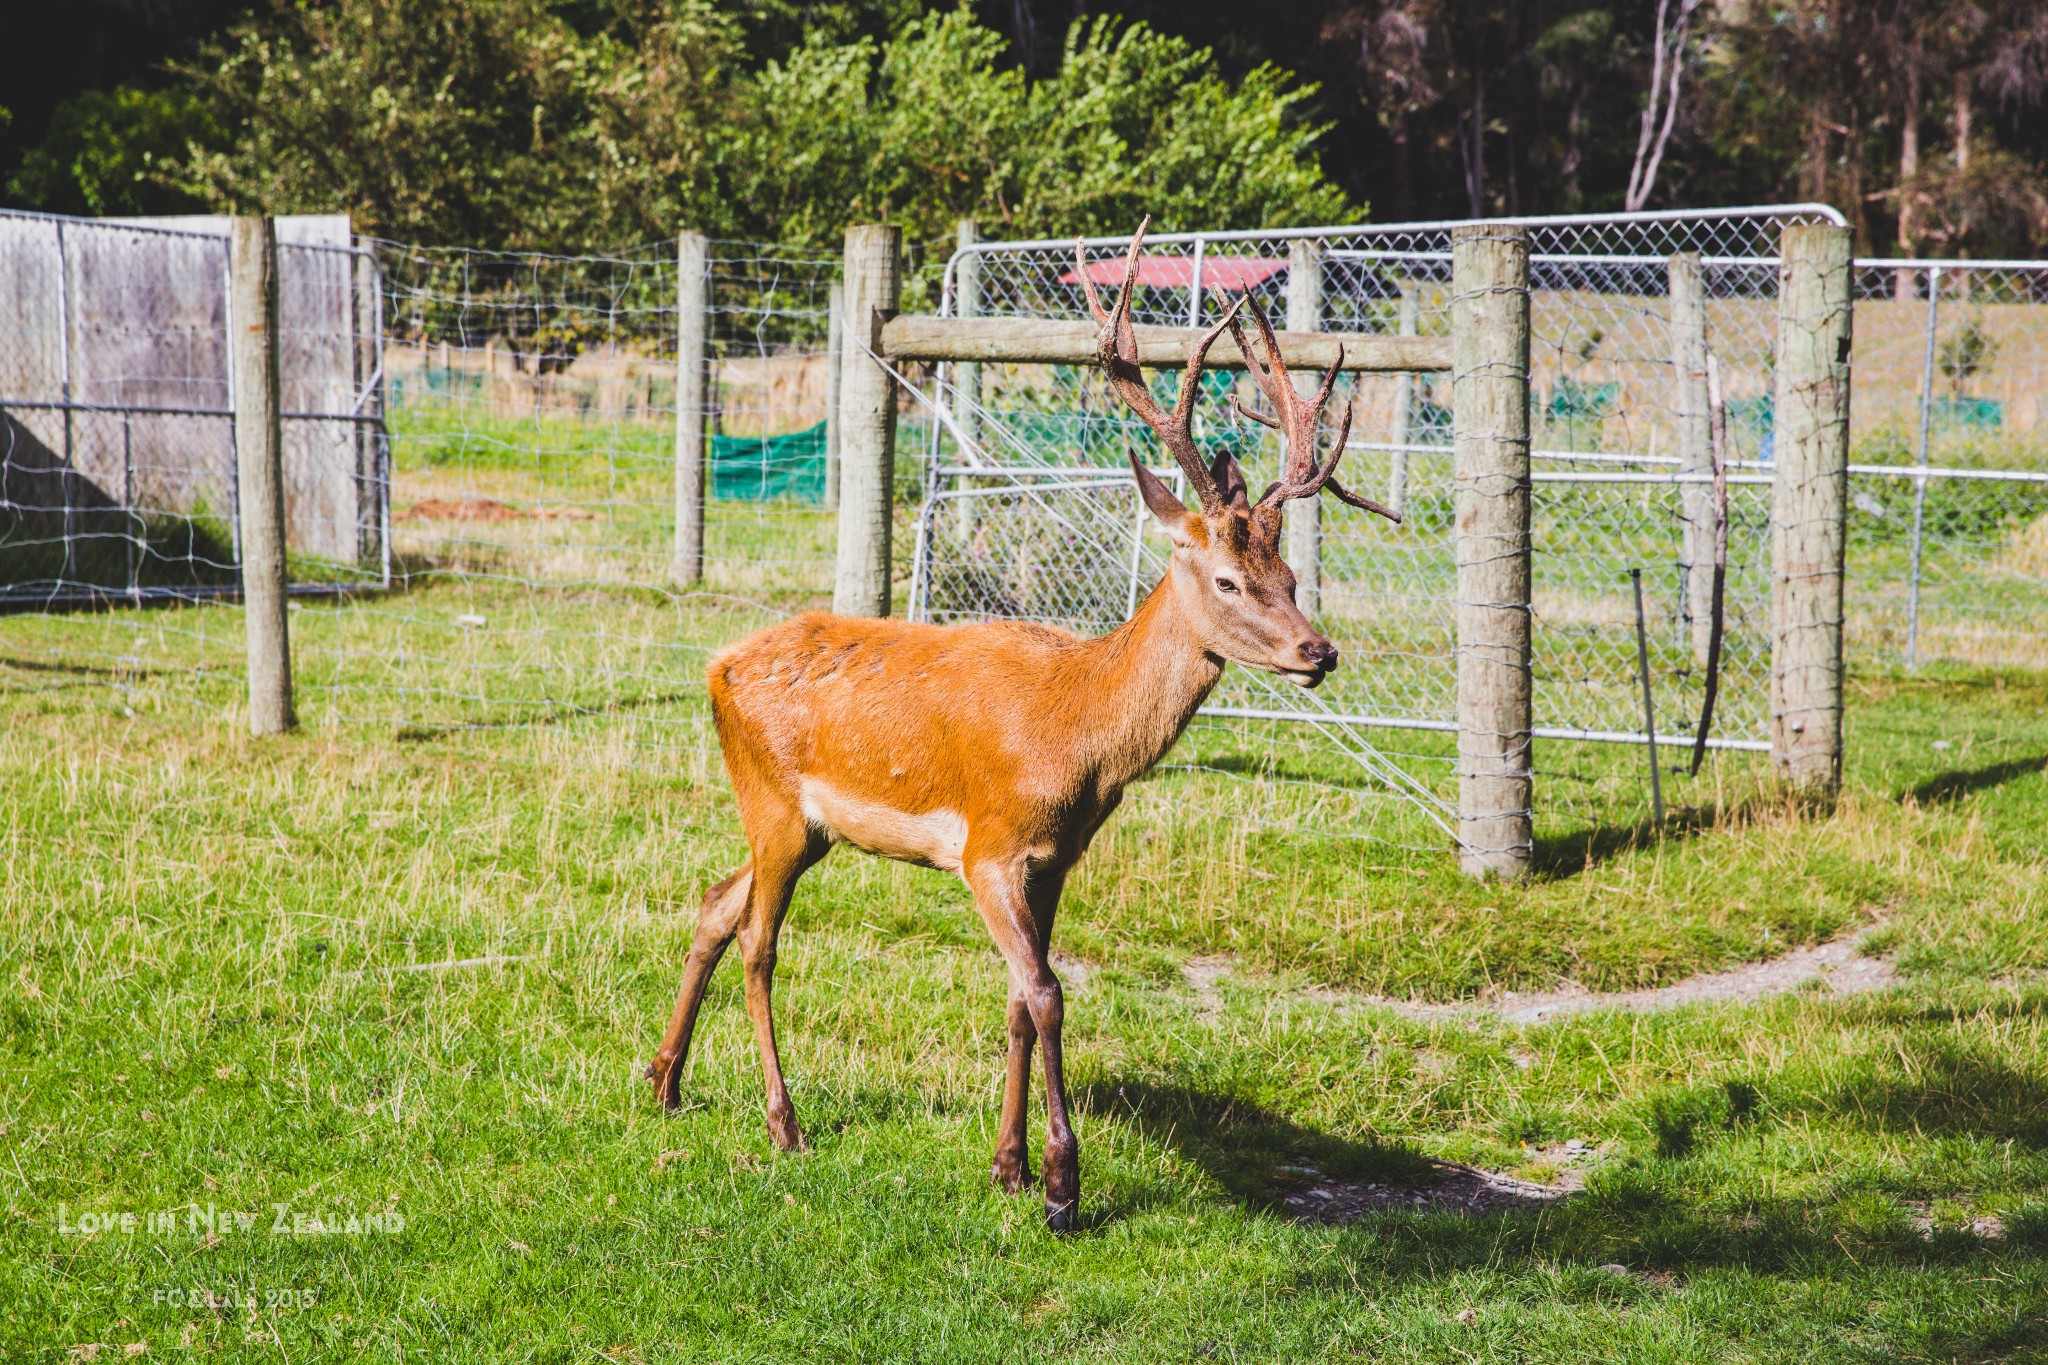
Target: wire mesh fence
{"type": "Point", "coordinates": [119, 462]}
{"type": "Point", "coordinates": [1949, 494]}
{"type": "Point", "coordinates": [1613, 490]}
{"type": "Point", "coordinates": [532, 411]}
{"type": "Point", "coordinates": [117, 465]}
{"type": "Point", "coordinates": [481, 480]}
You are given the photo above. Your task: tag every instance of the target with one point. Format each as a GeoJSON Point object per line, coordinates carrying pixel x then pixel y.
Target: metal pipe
{"type": "Point", "coordinates": [1649, 708]}
{"type": "Point", "coordinates": [156, 410]}
{"type": "Point", "coordinates": [137, 527]}
{"type": "Point", "coordinates": [1754, 746]}
{"type": "Point", "coordinates": [1137, 554]}
{"type": "Point", "coordinates": [1920, 480]}
{"type": "Point", "coordinates": [64, 382]}
{"type": "Point", "coordinates": [1808, 210]}
{"type": "Point", "coordinates": [1646, 477]}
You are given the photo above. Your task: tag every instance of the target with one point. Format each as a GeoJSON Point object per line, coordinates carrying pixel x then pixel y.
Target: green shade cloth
{"type": "Point", "coordinates": [789, 468]}
{"type": "Point", "coordinates": [1971, 414]}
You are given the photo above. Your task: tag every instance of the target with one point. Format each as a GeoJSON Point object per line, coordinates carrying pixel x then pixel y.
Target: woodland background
{"type": "Point", "coordinates": [606, 123]}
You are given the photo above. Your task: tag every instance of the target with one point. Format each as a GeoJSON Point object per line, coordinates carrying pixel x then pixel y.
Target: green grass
{"type": "Point", "coordinates": [208, 947]}
{"type": "Point", "coordinates": [204, 942]}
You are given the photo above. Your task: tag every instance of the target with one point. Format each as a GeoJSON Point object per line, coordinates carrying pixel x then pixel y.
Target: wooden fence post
{"type": "Point", "coordinates": [1305, 517]}
{"type": "Point", "coordinates": [259, 471]}
{"type": "Point", "coordinates": [1809, 505]}
{"type": "Point", "coordinates": [693, 270]}
{"type": "Point", "coordinates": [1693, 415]}
{"type": "Point", "coordinates": [1490, 422]}
{"type": "Point", "coordinates": [835, 350]}
{"type": "Point", "coordinates": [867, 424]}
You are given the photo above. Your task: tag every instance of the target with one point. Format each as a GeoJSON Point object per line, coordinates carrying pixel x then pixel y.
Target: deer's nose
{"type": "Point", "coordinates": [1320, 655]}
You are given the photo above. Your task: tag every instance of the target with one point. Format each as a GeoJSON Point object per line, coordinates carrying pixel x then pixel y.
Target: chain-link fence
{"type": "Point", "coordinates": [1615, 488]}
{"type": "Point", "coordinates": [1949, 492]}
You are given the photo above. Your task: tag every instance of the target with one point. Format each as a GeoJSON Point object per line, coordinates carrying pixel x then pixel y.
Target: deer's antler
{"type": "Point", "coordinates": [1302, 475]}
{"type": "Point", "coordinates": [1117, 349]}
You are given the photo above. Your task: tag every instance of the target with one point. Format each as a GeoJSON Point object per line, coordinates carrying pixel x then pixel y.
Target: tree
{"type": "Point", "coordinates": [106, 150]}
{"type": "Point", "coordinates": [1669, 57]}
{"type": "Point", "coordinates": [487, 122]}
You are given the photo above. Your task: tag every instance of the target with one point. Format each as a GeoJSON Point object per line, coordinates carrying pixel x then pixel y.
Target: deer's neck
{"type": "Point", "coordinates": [1144, 681]}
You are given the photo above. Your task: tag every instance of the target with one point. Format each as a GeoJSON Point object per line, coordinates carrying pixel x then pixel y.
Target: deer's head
{"type": "Point", "coordinates": [1226, 566]}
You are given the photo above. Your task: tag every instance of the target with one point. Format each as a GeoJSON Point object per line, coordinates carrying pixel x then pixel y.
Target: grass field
{"type": "Point", "coordinates": [399, 973]}
{"type": "Point", "coordinates": [227, 989]}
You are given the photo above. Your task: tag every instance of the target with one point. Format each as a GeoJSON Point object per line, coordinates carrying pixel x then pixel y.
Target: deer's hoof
{"type": "Point", "coordinates": [784, 1130]}
{"type": "Point", "coordinates": [668, 1083]}
{"type": "Point", "coordinates": [1060, 1217]}
{"type": "Point", "coordinates": [1012, 1173]}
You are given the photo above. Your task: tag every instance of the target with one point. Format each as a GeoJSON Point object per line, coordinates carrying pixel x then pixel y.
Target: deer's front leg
{"type": "Point", "coordinates": [1018, 906]}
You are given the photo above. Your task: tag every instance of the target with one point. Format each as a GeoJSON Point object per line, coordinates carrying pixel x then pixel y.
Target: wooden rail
{"type": "Point", "coordinates": [1037, 340]}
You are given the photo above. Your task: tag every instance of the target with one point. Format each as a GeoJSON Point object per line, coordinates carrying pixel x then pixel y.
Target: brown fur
{"type": "Point", "coordinates": [997, 750]}
{"type": "Point", "coordinates": [994, 750]}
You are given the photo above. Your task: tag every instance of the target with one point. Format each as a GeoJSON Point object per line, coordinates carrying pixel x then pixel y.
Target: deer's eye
{"type": "Point", "coordinates": [1224, 585]}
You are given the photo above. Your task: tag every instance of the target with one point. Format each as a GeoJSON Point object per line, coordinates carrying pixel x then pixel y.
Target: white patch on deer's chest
{"type": "Point", "coordinates": [935, 838]}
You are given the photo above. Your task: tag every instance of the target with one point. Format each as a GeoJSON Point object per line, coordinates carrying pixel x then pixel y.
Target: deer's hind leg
{"type": "Point", "coordinates": [717, 922]}
{"type": "Point", "coordinates": [785, 846]}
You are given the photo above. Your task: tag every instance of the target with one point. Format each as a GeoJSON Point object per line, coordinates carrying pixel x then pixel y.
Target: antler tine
{"type": "Point", "coordinates": [1117, 346]}
{"type": "Point", "coordinates": [1117, 349]}
{"type": "Point", "coordinates": [1191, 377]}
{"type": "Point", "coordinates": [1242, 411]}
{"type": "Point", "coordinates": [1363, 504]}
{"type": "Point", "coordinates": [1261, 373]}
{"type": "Point", "coordinates": [1299, 483]}
{"type": "Point", "coordinates": [1297, 420]}
{"type": "Point", "coordinates": [1095, 308]}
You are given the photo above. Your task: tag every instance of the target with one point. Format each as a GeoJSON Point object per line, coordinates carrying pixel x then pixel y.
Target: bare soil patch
{"type": "Point", "coordinates": [1450, 1187]}
{"type": "Point", "coordinates": [488, 510]}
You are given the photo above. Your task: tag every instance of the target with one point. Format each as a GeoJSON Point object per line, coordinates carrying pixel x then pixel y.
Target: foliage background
{"type": "Point", "coordinates": [607, 122]}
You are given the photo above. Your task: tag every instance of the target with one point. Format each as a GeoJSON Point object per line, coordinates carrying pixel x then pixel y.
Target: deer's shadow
{"type": "Point", "coordinates": [1400, 1213]}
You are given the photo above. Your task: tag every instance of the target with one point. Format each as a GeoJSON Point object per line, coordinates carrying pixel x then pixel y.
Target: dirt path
{"type": "Point", "coordinates": [1839, 965]}
{"type": "Point", "coordinates": [1477, 1193]}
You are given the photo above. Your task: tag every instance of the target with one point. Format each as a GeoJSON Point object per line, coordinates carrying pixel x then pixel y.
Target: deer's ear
{"type": "Point", "coordinates": [1171, 514]}
{"type": "Point", "coordinates": [1230, 480]}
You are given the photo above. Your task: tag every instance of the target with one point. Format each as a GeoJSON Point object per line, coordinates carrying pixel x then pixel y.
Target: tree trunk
{"type": "Point", "coordinates": [1474, 148]}
{"type": "Point", "coordinates": [1963, 119]}
{"type": "Point", "coordinates": [1816, 168]}
{"type": "Point", "coordinates": [1909, 168]}
{"type": "Point", "coordinates": [1568, 168]}
{"type": "Point", "coordinates": [1404, 184]}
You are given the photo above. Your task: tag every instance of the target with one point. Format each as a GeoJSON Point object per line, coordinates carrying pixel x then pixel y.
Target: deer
{"type": "Point", "coordinates": [996, 750]}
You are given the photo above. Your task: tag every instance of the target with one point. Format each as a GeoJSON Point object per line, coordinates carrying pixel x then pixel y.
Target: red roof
{"type": "Point", "coordinates": [1176, 272]}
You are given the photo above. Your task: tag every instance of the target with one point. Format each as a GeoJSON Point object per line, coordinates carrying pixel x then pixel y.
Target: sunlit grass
{"type": "Point", "coordinates": [206, 941]}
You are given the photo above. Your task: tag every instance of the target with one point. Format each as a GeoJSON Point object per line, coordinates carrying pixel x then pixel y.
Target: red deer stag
{"type": "Point", "coordinates": [997, 750]}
